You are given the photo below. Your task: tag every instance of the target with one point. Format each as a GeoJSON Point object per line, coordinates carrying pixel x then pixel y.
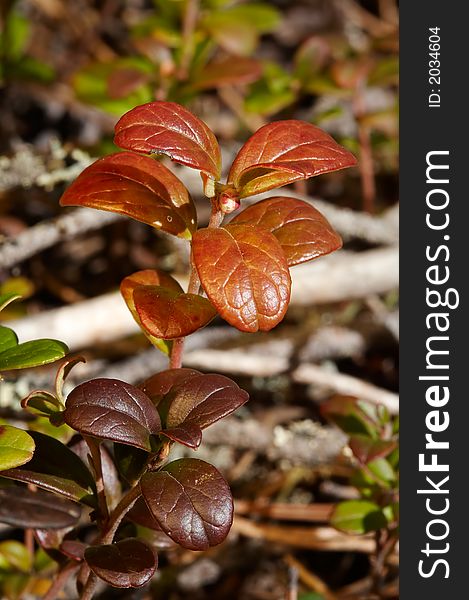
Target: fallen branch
{"type": "Point", "coordinates": [238, 362]}
{"type": "Point", "coordinates": [305, 443]}
{"type": "Point", "coordinates": [309, 538]}
{"type": "Point", "coordinates": [334, 278]}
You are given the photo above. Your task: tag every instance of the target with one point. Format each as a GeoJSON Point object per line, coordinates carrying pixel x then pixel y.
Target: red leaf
{"type": "Point", "coordinates": [244, 271]}
{"type": "Point", "coordinates": [168, 128]}
{"type": "Point", "coordinates": [191, 501]}
{"type": "Point", "coordinates": [283, 152]}
{"type": "Point", "coordinates": [167, 314]}
{"type": "Point", "coordinates": [138, 187]}
{"type": "Point", "coordinates": [303, 232]}
{"type": "Point", "coordinates": [146, 278]}
{"type": "Point", "coordinates": [229, 71]}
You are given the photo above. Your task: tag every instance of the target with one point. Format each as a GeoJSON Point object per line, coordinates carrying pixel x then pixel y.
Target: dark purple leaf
{"type": "Point", "coordinates": [191, 501]}
{"type": "Point", "coordinates": [74, 549]}
{"type": "Point", "coordinates": [21, 507]}
{"type": "Point", "coordinates": [55, 468]}
{"type": "Point", "coordinates": [199, 402]}
{"type": "Point", "coordinates": [160, 384]}
{"type": "Point", "coordinates": [113, 410]}
{"type": "Point", "coordinates": [127, 564]}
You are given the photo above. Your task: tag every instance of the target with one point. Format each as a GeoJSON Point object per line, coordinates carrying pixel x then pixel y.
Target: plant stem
{"type": "Point", "coordinates": [95, 450]}
{"type": "Point", "coordinates": [107, 537]}
{"type": "Point", "coordinates": [90, 585]}
{"type": "Point", "coordinates": [125, 504]}
{"type": "Point", "coordinates": [60, 580]}
{"type": "Point", "coordinates": [188, 27]}
{"type": "Point", "coordinates": [216, 219]}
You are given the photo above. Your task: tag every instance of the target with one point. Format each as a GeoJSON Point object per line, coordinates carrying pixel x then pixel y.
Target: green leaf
{"type": "Point", "coordinates": [32, 354]}
{"type": "Point", "coordinates": [55, 468]}
{"type": "Point", "coordinates": [236, 29]}
{"type": "Point", "coordinates": [8, 338]}
{"type": "Point", "coordinates": [16, 447]}
{"type": "Point", "coordinates": [16, 32]}
{"type": "Point", "coordinates": [16, 555]}
{"type": "Point", "coordinates": [91, 85]}
{"type": "Point", "coordinates": [358, 516]}
{"type": "Point", "coordinates": [382, 469]}
{"type": "Point", "coordinates": [5, 299]}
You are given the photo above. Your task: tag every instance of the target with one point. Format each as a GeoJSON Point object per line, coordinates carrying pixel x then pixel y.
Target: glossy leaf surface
{"type": "Point", "coordinates": [283, 152]}
{"type": "Point", "coordinates": [160, 384]}
{"type": "Point", "coordinates": [148, 277]}
{"type": "Point", "coordinates": [245, 274]}
{"type": "Point", "coordinates": [191, 501]}
{"type": "Point", "coordinates": [55, 468]}
{"type": "Point", "coordinates": [138, 187]}
{"type": "Point", "coordinates": [302, 231]}
{"type": "Point", "coordinates": [126, 564]}
{"type": "Point", "coordinates": [32, 354]}
{"type": "Point", "coordinates": [16, 447]}
{"type": "Point", "coordinates": [199, 402]}
{"type": "Point", "coordinates": [21, 507]}
{"type": "Point", "coordinates": [112, 410]}
{"type": "Point", "coordinates": [8, 338]}
{"type": "Point", "coordinates": [168, 128]}
{"type": "Point", "coordinates": [358, 516]}
{"type": "Point", "coordinates": [167, 314]}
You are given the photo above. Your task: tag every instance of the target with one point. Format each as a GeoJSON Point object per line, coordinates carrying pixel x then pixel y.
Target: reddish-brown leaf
{"type": "Point", "coordinates": [22, 507]}
{"type": "Point", "coordinates": [303, 232]}
{"type": "Point", "coordinates": [197, 403]}
{"type": "Point", "coordinates": [127, 564]}
{"type": "Point", "coordinates": [367, 449]}
{"type": "Point", "coordinates": [229, 71]}
{"type": "Point", "coordinates": [283, 152]}
{"type": "Point", "coordinates": [168, 128]}
{"type": "Point", "coordinates": [138, 187]}
{"type": "Point", "coordinates": [145, 278]}
{"type": "Point", "coordinates": [167, 314]}
{"type": "Point", "coordinates": [244, 271]}
{"type": "Point", "coordinates": [113, 410]}
{"type": "Point", "coordinates": [160, 384]}
{"type": "Point", "coordinates": [191, 501]}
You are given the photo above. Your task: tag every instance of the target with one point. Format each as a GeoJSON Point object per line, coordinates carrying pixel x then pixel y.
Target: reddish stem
{"type": "Point", "coordinates": [175, 359]}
